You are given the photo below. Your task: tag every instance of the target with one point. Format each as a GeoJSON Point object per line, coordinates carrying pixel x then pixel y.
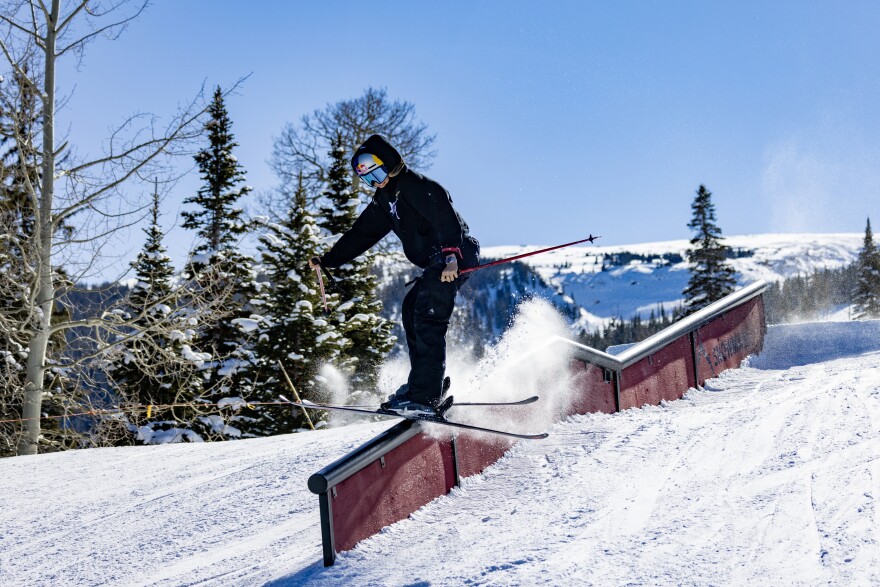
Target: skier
{"type": "Point", "coordinates": [435, 238]}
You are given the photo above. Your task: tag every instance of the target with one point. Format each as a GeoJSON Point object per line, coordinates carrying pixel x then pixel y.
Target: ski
{"type": "Point", "coordinates": [418, 417]}
{"type": "Point", "coordinates": [522, 402]}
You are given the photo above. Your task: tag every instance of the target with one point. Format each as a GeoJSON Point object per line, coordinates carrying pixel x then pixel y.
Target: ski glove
{"type": "Point", "coordinates": [450, 273]}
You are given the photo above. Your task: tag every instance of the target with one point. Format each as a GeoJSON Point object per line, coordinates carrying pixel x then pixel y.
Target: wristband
{"type": "Point", "coordinates": [451, 259]}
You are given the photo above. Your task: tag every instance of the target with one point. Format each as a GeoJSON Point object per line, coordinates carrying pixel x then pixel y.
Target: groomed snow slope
{"type": "Point", "coordinates": [769, 475]}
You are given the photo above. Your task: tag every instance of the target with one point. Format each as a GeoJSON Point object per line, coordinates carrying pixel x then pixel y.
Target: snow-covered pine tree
{"type": "Point", "coordinates": [357, 317]}
{"type": "Point", "coordinates": [146, 369]}
{"type": "Point", "coordinates": [20, 167]}
{"type": "Point", "coordinates": [13, 290]}
{"type": "Point", "coordinates": [18, 162]}
{"type": "Point", "coordinates": [712, 277]}
{"type": "Point", "coordinates": [867, 293]}
{"type": "Point", "coordinates": [223, 273]}
{"type": "Point", "coordinates": [20, 122]}
{"type": "Point", "coordinates": [294, 331]}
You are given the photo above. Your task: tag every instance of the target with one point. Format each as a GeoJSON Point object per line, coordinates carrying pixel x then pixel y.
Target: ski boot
{"type": "Point", "coordinates": [407, 407]}
{"type": "Point", "coordinates": [400, 403]}
{"type": "Point", "coordinates": [401, 392]}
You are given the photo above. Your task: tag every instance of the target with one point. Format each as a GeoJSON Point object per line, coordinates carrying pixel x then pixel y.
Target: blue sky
{"type": "Point", "coordinates": [553, 119]}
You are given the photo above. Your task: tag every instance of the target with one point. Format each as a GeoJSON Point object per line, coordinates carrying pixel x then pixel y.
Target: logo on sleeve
{"type": "Point", "coordinates": [393, 206]}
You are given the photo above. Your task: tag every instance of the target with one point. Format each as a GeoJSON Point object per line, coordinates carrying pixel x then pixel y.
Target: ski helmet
{"type": "Point", "coordinates": [371, 169]}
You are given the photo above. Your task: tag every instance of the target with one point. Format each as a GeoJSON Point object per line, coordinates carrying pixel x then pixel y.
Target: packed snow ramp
{"type": "Point", "coordinates": [410, 464]}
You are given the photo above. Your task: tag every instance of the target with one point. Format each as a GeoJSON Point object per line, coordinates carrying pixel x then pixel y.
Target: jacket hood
{"type": "Point", "coordinates": [378, 146]}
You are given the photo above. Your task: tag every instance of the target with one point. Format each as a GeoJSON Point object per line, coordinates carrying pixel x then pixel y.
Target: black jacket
{"type": "Point", "coordinates": [420, 213]}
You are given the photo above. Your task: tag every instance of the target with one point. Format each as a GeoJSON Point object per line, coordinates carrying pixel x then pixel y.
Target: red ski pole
{"type": "Point", "coordinates": [590, 238]}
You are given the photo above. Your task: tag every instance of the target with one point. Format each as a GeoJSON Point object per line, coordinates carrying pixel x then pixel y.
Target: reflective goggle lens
{"type": "Point", "coordinates": [377, 175]}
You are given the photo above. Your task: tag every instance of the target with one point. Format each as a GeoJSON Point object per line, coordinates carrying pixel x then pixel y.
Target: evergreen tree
{"type": "Point", "coordinates": [867, 293]}
{"type": "Point", "coordinates": [357, 317]}
{"type": "Point", "coordinates": [143, 370]}
{"type": "Point", "coordinates": [13, 281]}
{"type": "Point", "coordinates": [712, 277]}
{"type": "Point", "coordinates": [18, 166]}
{"type": "Point", "coordinates": [294, 331]}
{"type": "Point", "coordinates": [225, 276]}
{"type": "Point", "coordinates": [810, 297]}
{"type": "Point", "coordinates": [217, 220]}
{"type": "Point", "coordinates": [20, 127]}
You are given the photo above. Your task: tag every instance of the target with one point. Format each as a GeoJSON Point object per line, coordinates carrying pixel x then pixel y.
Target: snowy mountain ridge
{"type": "Point", "coordinates": [655, 273]}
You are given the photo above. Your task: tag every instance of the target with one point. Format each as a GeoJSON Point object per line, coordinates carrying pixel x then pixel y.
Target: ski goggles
{"type": "Point", "coordinates": [374, 176]}
{"type": "Point", "coordinates": [371, 169]}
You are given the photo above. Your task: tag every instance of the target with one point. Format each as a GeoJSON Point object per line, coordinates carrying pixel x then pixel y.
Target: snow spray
{"type": "Point", "coordinates": [336, 389]}
{"type": "Point", "coordinates": [527, 361]}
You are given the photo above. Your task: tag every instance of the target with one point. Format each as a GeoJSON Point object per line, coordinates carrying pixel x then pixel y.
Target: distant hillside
{"type": "Point", "coordinates": [626, 280]}
{"type": "Point", "coordinates": [591, 284]}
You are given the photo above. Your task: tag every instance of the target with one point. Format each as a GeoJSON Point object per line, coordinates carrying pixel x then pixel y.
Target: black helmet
{"type": "Point", "coordinates": [380, 154]}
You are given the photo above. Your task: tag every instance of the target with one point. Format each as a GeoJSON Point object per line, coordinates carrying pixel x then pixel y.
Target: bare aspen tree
{"type": "Point", "coordinates": [73, 189]}
{"type": "Point", "coordinates": [304, 148]}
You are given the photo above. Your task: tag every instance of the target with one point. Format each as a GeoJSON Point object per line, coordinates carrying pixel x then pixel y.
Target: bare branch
{"type": "Point", "coordinates": [69, 18]}
{"type": "Point", "coordinates": [12, 23]}
{"type": "Point", "coordinates": [43, 7]}
{"type": "Point", "coordinates": [116, 25]}
{"type": "Point", "coordinates": [157, 146]}
{"type": "Point", "coordinates": [17, 67]}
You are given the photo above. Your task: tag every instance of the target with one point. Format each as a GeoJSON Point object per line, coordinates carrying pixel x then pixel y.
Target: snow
{"type": "Point", "coordinates": [235, 403]}
{"type": "Point", "coordinates": [196, 357]}
{"type": "Point", "coordinates": [219, 426]}
{"type": "Point", "coordinates": [359, 318]}
{"type": "Point", "coordinates": [345, 306]}
{"type": "Point", "coordinates": [247, 324]}
{"type": "Point", "coordinates": [148, 435]}
{"type": "Point", "coordinates": [769, 475]}
{"type": "Point", "coordinates": [176, 335]}
{"type": "Point", "coordinates": [326, 336]}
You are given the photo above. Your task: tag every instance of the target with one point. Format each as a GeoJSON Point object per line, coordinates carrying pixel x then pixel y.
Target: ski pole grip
{"type": "Point", "coordinates": [321, 288]}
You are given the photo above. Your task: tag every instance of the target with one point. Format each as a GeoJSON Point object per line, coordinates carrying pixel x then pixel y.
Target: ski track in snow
{"type": "Point", "coordinates": [186, 514]}
{"type": "Point", "coordinates": [768, 475]}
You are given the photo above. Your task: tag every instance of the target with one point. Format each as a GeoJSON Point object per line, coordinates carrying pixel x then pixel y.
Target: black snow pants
{"type": "Point", "coordinates": [427, 309]}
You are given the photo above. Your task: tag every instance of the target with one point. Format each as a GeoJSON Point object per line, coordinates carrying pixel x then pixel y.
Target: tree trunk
{"type": "Point", "coordinates": [38, 345]}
